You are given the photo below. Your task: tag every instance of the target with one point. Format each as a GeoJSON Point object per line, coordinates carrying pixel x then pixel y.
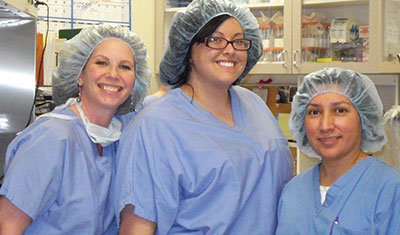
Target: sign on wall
{"type": "Point", "coordinates": [71, 14]}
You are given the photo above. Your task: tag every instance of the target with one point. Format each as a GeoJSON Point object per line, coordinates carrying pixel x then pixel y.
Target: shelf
{"type": "Point", "coordinates": [313, 3]}
{"type": "Point", "coordinates": [263, 68]}
{"type": "Point", "coordinates": [174, 9]}
{"type": "Point", "coordinates": [335, 3]}
{"type": "Point", "coordinates": [255, 6]}
{"type": "Point", "coordinates": [23, 9]}
{"type": "Point", "coordinates": [251, 6]}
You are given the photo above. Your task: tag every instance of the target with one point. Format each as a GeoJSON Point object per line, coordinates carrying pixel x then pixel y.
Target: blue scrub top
{"type": "Point", "coordinates": [192, 173]}
{"type": "Point", "coordinates": [149, 99]}
{"type": "Point", "coordinates": [54, 174]}
{"type": "Point", "coordinates": [365, 200]}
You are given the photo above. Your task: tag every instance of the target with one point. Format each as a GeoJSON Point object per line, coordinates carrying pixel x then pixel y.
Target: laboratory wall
{"type": "Point", "coordinates": [138, 15]}
{"type": "Point", "coordinates": [143, 24]}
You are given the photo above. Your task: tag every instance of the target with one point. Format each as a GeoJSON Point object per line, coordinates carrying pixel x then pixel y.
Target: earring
{"type": "Point", "coordinates": [79, 93]}
{"type": "Point", "coordinates": [132, 103]}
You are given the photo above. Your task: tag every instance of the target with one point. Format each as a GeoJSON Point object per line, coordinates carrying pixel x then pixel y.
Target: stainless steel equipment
{"type": "Point", "coordinates": [17, 68]}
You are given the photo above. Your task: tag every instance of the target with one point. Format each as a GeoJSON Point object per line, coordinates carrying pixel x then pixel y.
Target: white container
{"type": "Point", "coordinates": [308, 42]}
{"type": "Point", "coordinates": [278, 42]}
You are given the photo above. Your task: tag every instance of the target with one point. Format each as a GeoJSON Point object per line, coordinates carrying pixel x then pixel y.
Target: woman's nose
{"type": "Point", "coordinates": [229, 48]}
{"type": "Point", "coordinates": [326, 122]}
{"type": "Point", "coordinates": [113, 71]}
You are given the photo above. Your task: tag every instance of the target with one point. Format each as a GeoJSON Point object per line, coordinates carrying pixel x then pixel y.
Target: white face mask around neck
{"type": "Point", "coordinates": [99, 134]}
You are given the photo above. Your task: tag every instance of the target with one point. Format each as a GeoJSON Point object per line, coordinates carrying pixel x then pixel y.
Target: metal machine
{"type": "Point", "coordinates": [17, 68]}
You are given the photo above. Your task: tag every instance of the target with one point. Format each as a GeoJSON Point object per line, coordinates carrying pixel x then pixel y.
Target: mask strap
{"type": "Point", "coordinates": [81, 113]}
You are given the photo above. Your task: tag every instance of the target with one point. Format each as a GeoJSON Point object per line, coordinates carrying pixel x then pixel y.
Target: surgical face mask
{"type": "Point", "coordinates": [99, 134]}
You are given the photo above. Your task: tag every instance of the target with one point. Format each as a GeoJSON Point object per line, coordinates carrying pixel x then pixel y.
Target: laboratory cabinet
{"type": "Point", "coordinates": [301, 36]}
{"type": "Point", "coordinates": [388, 14]}
{"type": "Point", "coordinates": [375, 50]}
{"type": "Point", "coordinates": [324, 34]}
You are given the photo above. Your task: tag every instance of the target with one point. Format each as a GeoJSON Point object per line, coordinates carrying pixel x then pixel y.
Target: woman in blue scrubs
{"type": "Point", "coordinates": [208, 157]}
{"type": "Point", "coordinates": [58, 170]}
{"type": "Point", "coordinates": [336, 116]}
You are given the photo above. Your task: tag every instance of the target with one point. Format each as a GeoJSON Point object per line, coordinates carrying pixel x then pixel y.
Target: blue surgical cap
{"type": "Point", "coordinates": [75, 52]}
{"type": "Point", "coordinates": [356, 87]}
{"type": "Point", "coordinates": [186, 24]}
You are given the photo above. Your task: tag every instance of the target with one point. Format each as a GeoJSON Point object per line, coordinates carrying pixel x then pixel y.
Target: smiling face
{"type": "Point", "coordinates": [219, 67]}
{"type": "Point", "coordinates": [108, 77]}
{"type": "Point", "coordinates": [333, 127]}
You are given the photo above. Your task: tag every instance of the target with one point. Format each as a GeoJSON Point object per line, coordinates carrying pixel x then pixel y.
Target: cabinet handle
{"type": "Point", "coordinates": [284, 52]}
{"type": "Point", "coordinates": [295, 52]}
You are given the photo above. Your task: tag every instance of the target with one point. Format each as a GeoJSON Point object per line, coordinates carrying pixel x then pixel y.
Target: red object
{"type": "Point", "coordinates": [39, 51]}
{"type": "Point", "coordinates": [269, 80]}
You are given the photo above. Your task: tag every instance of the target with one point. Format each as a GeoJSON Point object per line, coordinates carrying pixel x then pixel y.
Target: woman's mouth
{"type": "Point", "coordinates": [226, 64]}
{"type": "Point", "coordinates": [110, 88]}
{"type": "Point", "coordinates": [328, 139]}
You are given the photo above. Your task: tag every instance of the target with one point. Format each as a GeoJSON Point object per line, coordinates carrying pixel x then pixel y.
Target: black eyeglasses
{"type": "Point", "coordinates": [221, 43]}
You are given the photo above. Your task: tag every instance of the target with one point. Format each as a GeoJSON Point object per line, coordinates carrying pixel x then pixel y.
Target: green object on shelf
{"type": "Point", "coordinates": [68, 33]}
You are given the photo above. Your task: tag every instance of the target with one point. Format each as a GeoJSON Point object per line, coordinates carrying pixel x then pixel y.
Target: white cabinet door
{"type": "Point", "coordinates": [325, 34]}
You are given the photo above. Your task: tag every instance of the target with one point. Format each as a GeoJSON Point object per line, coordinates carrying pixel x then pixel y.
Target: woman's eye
{"type": "Point", "coordinates": [126, 67]}
{"type": "Point", "coordinates": [239, 42]}
{"type": "Point", "coordinates": [313, 112]}
{"type": "Point", "coordinates": [215, 40]}
{"type": "Point", "coordinates": [101, 62]}
{"type": "Point", "coordinates": [340, 110]}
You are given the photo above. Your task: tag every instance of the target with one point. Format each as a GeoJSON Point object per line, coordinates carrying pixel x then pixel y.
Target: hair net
{"type": "Point", "coordinates": [356, 87]}
{"type": "Point", "coordinates": [186, 24]}
{"type": "Point", "coordinates": [391, 150]}
{"type": "Point", "coordinates": [75, 52]}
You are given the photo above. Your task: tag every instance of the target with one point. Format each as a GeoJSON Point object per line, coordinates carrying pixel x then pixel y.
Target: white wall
{"type": "Point", "coordinates": [143, 24]}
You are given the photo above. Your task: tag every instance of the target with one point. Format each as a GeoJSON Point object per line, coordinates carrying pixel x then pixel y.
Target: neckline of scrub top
{"type": "Point", "coordinates": [106, 150]}
{"type": "Point", "coordinates": [236, 110]}
{"type": "Point", "coordinates": [339, 184]}
{"type": "Point", "coordinates": [72, 113]}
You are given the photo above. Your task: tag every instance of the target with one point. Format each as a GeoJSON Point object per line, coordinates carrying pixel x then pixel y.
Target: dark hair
{"type": "Point", "coordinates": [200, 37]}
